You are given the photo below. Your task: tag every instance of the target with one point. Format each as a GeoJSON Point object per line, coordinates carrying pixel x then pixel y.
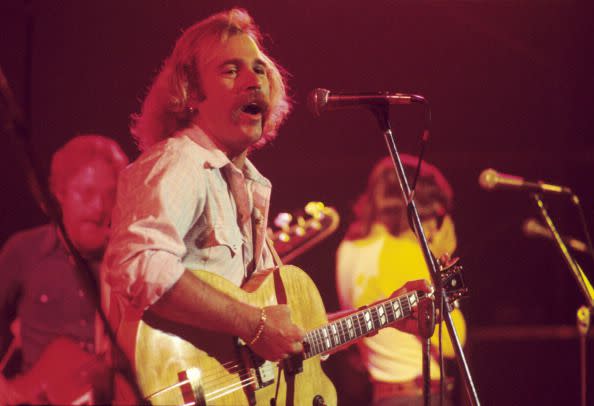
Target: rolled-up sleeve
{"type": "Point", "coordinates": [159, 198]}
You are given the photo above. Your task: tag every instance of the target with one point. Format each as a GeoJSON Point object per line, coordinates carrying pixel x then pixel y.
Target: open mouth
{"type": "Point", "coordinates": [253, 109]}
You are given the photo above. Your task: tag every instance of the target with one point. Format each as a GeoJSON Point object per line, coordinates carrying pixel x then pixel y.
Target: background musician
{"type": "Point", "coordinates": [378, 254]}
{"type": "Point", "coordinates": [41, 294]}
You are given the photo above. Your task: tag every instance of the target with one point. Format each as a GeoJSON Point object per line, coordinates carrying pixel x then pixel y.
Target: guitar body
{"type": "Point", "coordinates": [222, 371]}
{"type": "Point", "coordinates": [65, 374]}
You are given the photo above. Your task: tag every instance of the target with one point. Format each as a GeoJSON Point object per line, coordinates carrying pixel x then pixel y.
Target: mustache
{"type": "Point", "coordinates": [253, 98]}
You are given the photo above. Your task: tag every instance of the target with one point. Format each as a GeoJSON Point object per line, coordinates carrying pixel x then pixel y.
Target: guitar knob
{"type": "Point", "coordinates": [318, 400]}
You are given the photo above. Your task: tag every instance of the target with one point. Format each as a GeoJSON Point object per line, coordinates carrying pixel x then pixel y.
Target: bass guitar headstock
{"type": "Point", "coordinates": [296, 233]}
{"type": "Point", "coordinates": [450, 272]}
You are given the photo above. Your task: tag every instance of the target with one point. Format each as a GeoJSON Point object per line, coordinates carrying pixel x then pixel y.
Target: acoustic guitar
{"type": "Point", "coordinates": [180, 365]}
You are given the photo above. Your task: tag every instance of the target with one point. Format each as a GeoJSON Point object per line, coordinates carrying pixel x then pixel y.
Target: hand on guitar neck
{"type": "Point", "coordinates": [408, 325]}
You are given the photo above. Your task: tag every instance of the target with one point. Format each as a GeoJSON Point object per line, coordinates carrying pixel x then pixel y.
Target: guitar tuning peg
{"type": "Point", "coordinates": [283, 220]}
{"type": "Point", "coordinates": [315, 209]}
{"type": "Point", "coordinates": [446, 261]}
{"type": "Point", "coordinates": [315, 224]}
{"type": "Point", "coordinates": [300, 227]}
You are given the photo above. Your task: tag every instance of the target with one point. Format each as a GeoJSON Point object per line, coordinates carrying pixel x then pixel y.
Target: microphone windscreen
{"type": "Point", "coordinates": [317, 100]}
{"type": "Point", "coordinates": [488, 179]}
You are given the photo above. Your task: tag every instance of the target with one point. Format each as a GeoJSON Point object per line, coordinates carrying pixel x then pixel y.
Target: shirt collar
{"type": "Point", "coordinates": [217, 158]}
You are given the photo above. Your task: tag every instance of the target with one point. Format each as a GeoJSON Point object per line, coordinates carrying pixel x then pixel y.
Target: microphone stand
{"type": "Point", "coordinates": [381, 113]}
{"type": "Point", "coordinates": [583, 313]}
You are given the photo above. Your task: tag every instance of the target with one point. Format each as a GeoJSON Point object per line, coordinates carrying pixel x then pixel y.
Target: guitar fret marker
{"type": "Point", "coordinates": [382, 314]}
{"type": "Point", "coordinates": [368, 322]}
{"type": "Point", "coordinates": [335, 334]}
{"type": "Point", "coordinates": [326, 338]}
{"type": "Point", "coordinates": [397, 309]}
{"type": "Point", "coordinates": [350, 327]}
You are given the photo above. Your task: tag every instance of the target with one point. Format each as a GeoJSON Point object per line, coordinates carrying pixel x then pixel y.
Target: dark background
{"type": "Point", "coordinates": [510, 85]}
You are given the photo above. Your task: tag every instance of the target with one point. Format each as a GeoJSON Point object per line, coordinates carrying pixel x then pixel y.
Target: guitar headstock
{"type": "Point", "coordinates": [450, 272]}
{"type": "Point", "coordinates": [296, 233]}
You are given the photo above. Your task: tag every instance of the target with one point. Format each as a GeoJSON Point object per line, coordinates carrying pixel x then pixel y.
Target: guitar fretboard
{"type": "Point", "coordinates": [360, 323]}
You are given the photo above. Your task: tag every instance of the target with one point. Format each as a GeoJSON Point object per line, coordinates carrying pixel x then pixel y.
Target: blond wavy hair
{"type": "Point", "coordinates": [167, 106]}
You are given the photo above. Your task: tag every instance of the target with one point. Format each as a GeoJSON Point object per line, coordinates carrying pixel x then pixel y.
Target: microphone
{"type": "Point", "coordinates": [490, 179]}
{"type": "Point", "coordinates": [320, 100]}
{"type": "Point", "coordinates": [532, 228]}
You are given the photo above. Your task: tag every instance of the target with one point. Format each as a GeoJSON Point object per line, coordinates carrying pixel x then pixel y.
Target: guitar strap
{"type": "Point", "coordinates": [270, 244]}
{"type": "Point", "coordinates": [281, 298]}
{"type": "Point", "coordinates": [279, 287]}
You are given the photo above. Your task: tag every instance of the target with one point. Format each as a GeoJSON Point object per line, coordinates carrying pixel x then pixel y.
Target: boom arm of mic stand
{"type": "Point", "coordinates": [381, 113]}
{"type": "Point", "coordinates": [583, 313]}
{"type": "Point", "coordinates": [579, 276]}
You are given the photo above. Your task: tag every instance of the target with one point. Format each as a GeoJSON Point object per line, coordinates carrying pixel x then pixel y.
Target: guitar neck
{"type": "Point", "coordinates": [359, 324]}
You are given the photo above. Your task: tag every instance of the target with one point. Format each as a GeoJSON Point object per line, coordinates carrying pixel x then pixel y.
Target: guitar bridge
{"type": "Point", "coordinates": [191, 386]}
{"type": "Point", "coordinates": [258, 367]}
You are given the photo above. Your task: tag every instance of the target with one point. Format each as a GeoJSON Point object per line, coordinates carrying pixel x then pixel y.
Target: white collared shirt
{"type": "Point", "coordinates": [184, 205]}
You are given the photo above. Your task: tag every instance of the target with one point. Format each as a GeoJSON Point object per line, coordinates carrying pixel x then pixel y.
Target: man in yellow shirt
{"type": "Point", "coordinates": [379, 253]}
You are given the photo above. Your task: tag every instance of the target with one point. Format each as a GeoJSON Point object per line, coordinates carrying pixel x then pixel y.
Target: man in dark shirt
{"type": "Point", "coordinates": [41, 295]}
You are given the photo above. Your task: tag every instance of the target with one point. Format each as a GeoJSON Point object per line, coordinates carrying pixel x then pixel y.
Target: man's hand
{"type": "Point", "coordinates": [280, 337]}
{"type": "Point", "coordinates": [410, 324]}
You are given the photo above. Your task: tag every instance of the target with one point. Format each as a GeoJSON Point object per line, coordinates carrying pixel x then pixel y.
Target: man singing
{"type": "Point", "coordinates": [193, 200]}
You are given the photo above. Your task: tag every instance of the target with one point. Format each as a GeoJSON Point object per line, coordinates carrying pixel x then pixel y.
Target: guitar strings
{"type": "Point", "coordinates": [246, 379]}
{"type": "Point", "coordinates": [234, 367]}
{"type": "Point", "coordinates": [317, 339]}
{"type": "Point", "coordinates": [229, 389]}
{"type": "Point", "coordinates": [209, 381]}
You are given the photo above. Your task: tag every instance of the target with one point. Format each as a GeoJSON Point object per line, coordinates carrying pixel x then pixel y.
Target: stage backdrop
{"type": "Point", "coordinates": [510, 87]}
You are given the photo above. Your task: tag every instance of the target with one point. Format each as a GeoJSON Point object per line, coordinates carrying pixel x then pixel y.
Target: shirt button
{"type": "Point", "coordinates": [81, 293]}
{"type": "Point", "coordinates": [43, 298]}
